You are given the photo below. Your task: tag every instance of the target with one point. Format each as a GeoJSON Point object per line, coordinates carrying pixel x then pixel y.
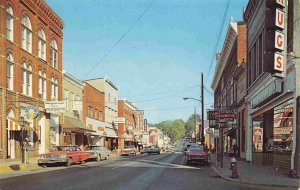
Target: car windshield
{"type": "Point", "coordinates": [62, 148]}
{"type": "Point", "coordinates": [196, 148]}
{"type": "Point", "coordinates": [93, 148]}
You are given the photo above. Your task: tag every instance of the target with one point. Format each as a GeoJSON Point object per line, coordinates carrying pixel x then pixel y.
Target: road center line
{"type": "Point", "coordinates": [123, 165]}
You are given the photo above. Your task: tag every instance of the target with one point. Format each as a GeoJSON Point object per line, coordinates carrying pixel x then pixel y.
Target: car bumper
{"type": "Point", "coordinates": [52, 161]}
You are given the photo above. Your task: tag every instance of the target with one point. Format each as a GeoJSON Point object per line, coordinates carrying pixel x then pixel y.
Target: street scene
{"type": "Point", "coordinates": [148, 94]}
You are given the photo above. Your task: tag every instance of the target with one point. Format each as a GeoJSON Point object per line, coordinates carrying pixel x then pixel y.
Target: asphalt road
{"type": "Point", "coordinates": [164, 171]}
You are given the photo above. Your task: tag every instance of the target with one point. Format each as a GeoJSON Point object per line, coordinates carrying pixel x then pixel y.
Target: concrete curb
{"type": "Point", "coordinates": [217, 172]}
{"type": "Point", "coordinates": [18, 167]}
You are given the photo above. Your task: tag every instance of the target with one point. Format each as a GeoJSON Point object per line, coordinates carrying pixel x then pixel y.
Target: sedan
{"type": "Point", "coordinates": [98, 152]}
{"type": "Point", "coordinates": [196, 154]}
{"type": "Point", "coordinates": [63, 155]}
{"type": "Point", "coordinates": [130, 149]}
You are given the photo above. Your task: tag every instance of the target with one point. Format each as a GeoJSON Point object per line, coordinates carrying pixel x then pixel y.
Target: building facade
{"type": "Point", "coordinates": [272, 83]}
{"type": "Point", "coordinates": [30, 74]}
{"type": "Point", "coordinates": [229, 85]}
{"type": "Point", "coordinates": [111, 109]}
{"type": "Point", "coordinates": [94, 115]}
{"type": "Point", "coordinates": [129, 131]}
{"type": "Point", "coordinates": [74, 130]}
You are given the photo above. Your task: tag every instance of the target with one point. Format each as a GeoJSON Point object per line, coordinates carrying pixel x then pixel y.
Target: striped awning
{"type": "Point", "coordinates": [12, 125]}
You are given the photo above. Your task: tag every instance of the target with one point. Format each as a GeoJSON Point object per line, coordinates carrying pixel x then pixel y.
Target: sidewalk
{"type": "Point", "coordinates": [253, 174]}
{"type": "Point", "coordinates": [16, 164]}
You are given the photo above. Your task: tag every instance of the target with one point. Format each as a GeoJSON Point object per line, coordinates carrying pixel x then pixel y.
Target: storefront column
{"type": "Point", "coordinates": [249, 135]}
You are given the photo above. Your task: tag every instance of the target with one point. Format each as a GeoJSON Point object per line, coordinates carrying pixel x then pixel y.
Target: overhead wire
{"type": "Point", "coordinates": [121, 38]}
{"type": "Point", "coordinates": [222, 23]}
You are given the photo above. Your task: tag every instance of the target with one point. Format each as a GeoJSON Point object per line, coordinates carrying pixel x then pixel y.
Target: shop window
{"type": "Point", "coordinates": [283, 127]}
{"type": "Point", "coordinates": [257, 133]}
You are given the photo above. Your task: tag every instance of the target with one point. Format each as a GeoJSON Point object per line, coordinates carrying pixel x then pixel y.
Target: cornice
{"type": "Point", "coordinates": [227, 47]}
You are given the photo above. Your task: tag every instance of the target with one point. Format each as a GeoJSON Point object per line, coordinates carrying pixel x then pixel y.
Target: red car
{"type": "Point", "coordinates": [196, 154]}
{"type": "Point", "coordinates": [63, 154]}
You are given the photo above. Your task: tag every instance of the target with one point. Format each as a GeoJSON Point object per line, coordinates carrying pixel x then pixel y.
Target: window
{"type": "Point", "coordinates": [72, 99]}
{"type": "Point", "coordinates": [26, 79]}
{"type": "Point", "coordinates": [9, 23]}
{"type": "Point", "coordinates": [42, 44]}
{"type": "Point", "coordinates": [54, 88]}
{"type": "Point", "coordinates": [42, 85]}
{"type": "Point", "coordinates": [100, 115]}
{"type": "Point", "coordinates": [53, 54]}
{"type": "Point", "coordinates": [66, 99]}
{"type": "Point", "coordinates": [10, 72]}
{"type": "Point", "coordinates": [26, 33]}
{"type": "Point", "coordinates": [90, 112]}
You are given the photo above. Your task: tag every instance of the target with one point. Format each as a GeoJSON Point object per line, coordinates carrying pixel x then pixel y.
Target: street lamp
{"type": "Point", "coordinates": [202, 120]}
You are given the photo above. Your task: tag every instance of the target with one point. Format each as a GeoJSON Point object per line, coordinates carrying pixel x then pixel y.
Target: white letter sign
{"type": "Point", "coordinates": [279, 40]}
{"type": "Point", "coordinates": [278, 62]}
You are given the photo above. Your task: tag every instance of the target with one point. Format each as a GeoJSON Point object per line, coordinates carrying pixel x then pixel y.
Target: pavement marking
{"type": "Point", "coordinates": [123, 165]}
{"type": "Point", "coordinates": [169, 164]}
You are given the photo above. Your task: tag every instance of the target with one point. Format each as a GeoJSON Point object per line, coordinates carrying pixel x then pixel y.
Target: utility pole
{"type": "Point", "coordinates": [202, 111]}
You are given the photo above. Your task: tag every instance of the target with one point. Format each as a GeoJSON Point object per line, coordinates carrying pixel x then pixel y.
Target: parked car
{"type": "Point", "coordinates": [130, 149]}
{"type": "Point", "coordinates": [154, 149]}
{"type": "Point", "coordinates": [145, 150]}
{"type": "Point", "coordinates": [196, 154]}
{"type": "Point", "coordinates": [98, 152]}
{"type": "Point", "coordinates": [64, 155]}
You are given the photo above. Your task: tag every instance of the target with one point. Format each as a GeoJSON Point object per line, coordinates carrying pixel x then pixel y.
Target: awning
{"type": "Point", "coordinates": [12, 125]}
{"type": "Point", "coordinates": [75, 125]}
{"type": "Point", "coordinates": [111, 133]}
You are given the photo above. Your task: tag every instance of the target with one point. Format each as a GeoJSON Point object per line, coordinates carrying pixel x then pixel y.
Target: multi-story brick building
{"type": "Point", "coordinates": [111, 109]}
{"type": "Point", "coordinates": [31, 72]}
{"type": "Point", "coordinates": [94, 115]}
{"type": "Point", "coordinates": [229, 85]}
{"type": "Point", "coordinates": [129, 131]}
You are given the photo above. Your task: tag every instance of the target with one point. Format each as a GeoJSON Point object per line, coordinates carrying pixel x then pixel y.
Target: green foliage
{"type": "Point", "coordinates": [177, 128]}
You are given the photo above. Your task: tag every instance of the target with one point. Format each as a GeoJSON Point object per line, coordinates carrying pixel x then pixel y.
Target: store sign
{"type": "Point", "coordinates": [100, 128]}
{"type": "Point", "coordinates": [211, 115]}
{"type": "Point", "coordinates": [275, 36]}
{"type": "Point", "coordinates": [273, 89]}
{"type": "Point", "coordinates": [55, 107]}
{"type": "Point", "coordinates": [138, 112]}
{"type": "Point", "coordinates": [145, 125]}
{"type": "Point", "coordinates": [119, 120]}
{"type": "Point", "coordinates": [32, 112]}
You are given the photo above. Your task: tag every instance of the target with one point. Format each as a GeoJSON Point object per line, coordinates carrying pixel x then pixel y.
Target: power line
{"type": "Point", "coordinates": [121, 38]}
{"type": "Point", "coordinates": [222, 23]}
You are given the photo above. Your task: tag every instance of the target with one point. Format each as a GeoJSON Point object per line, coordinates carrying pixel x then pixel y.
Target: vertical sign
{"type": "Point", "coordinates": [145, 125]}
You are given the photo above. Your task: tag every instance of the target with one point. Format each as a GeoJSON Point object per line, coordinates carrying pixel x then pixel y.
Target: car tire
{"type": "Point", "coordinates": [82, 161]}
{"type": "Point", "coordinates": [69, 162]}
{"type": "Point", "coordinates": [187, 162]}
{"type": "Point", "coordinates": [98, 159]}
{"type": "Point", "coordinates": [106, 158]}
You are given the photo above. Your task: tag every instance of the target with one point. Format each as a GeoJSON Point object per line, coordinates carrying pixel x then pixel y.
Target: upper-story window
{"type": "Point", "coordinates": [54, 88]}
{"type": "Point", "coordinates": [42, 85]}
{"type": "Point", "coordinates": [100, 115]}
{"type": "Point", "coordinates": [26, 33]}
{"type": "Point", "coordinates": [90, 112]}
{"type": "Point", "coordinates": [66, 99]}
{"type": "Point", "coordinates": [10, 72]}
{"type": "Point", "coordinates": [9, 23]}
{"type": "Point", "coordinates": [53, 54]}
{"type": "Point", "coordinates": [42, 44]}
{"type": "Point", "coordinates": [26, 79]}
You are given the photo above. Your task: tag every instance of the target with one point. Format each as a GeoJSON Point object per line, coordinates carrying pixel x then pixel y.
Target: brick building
{"type": "Point", "coordinates": [129, 131]}
{"type": "Point", "coordinates": [31, 73]}
{"type": "Point", "coordinates": [94, 115]}
{"type": "Point", "coordinates": [229, 85]}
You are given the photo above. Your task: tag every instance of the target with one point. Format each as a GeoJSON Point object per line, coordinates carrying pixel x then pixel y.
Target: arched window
{"type": "Point", "coordinates": [10, 71]}
{"type": "Point", "coordinates": [42, 85]}
{"type": "Point", "coordinates": [26, 79]}
{"type": "Point", "coordinates": [26, 33]}
{"type": "Point", "coordinates": [9, 23]}
{"type": "Point", "coordinates": [42, 44]}
{"type": "Point", "coordinates": [54, 88]}
{"type": "Point", "coordinates": [53, 54]}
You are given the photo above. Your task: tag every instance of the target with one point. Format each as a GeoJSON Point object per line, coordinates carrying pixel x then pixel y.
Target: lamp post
{"type": "Point", "coordinates": [22, 123]}
{"type": "Point", "coordinates": [202, 120]}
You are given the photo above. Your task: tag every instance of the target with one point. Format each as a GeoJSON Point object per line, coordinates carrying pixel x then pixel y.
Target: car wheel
{"type": "Point", "coordinates": [69, 162]}
{"type": "Point", "coordinates": [98, 159]}
{"type": "Point", "coordinates": [82, 162]}
{"type": "Point", "coordinates": [187, 162]}
{"type": "Point", "coordinates": [106, 158]}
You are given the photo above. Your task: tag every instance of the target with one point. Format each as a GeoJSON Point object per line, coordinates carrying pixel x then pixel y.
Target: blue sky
{"type": "Point", "coordinates": [162, 56]}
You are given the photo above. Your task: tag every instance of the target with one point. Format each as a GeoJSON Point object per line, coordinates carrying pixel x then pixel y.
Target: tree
{"type": "Point", "coordinates": [190, 123]}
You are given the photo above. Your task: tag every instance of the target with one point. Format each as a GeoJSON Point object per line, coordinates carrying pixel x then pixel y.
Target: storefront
{"type": "Point", "coordinates": [111, 138]}
{"type": "Point", "coordinates": [75, 132]}
{"type": "Point", "coordinates": [97, 137]}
